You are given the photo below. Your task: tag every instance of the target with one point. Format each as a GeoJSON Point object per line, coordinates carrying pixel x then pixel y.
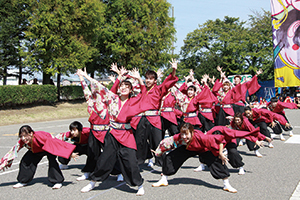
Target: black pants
{"type": "Point", "coordinates": [221, 118]}
{"type": "Point", "coordinates": [93, 153]}
{"type": "Point", "coordinates": [207, 124]}
{"type": "Point", "coordinates": [175, 159]}
{"type": "Point", "coordinates": [114, 152]}
{"type": "Point", "coordinates": [285, 128]}
{"type": "Point", "coordinates": [167, 125]}
{"type": "Point", "coordinates": [234, 157]}
{"type": "Point", "coordinates": [238, 108]}
{"type": "Point", "coordinates": [263, 129]}
{"type": "Point", "coordinates": [29, 164]}
{"type": "Point", "coordinates": [147, 137]}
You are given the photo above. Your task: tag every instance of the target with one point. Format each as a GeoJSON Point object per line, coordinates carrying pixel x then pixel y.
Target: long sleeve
{"type": "Point", "coordinates": [88, 96]}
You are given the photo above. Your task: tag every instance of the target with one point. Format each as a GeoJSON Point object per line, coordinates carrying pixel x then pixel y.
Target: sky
{"type": "Point", "coordinates": [190, 13]}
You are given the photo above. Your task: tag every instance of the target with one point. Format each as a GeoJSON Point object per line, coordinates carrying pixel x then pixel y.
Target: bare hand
{"type": "Point", "coordinates": [112, 78]}
{"type": "Point", "coordinates": [135, 73]}
{"type": "Point", "coordinates": [273, 124]}
{"type": "Point", "coordinates": [260, 71]}
{"type": "Point", "coordinates": [287, 125]}
{"type": "Point", "coordinates": [174, 63]}
{"type": "Point", "coordinates": [223, 158]}
{"type": "Point", "coordinates": [74, 156]}
{"type": "Point", "coordinates": [159, 73]}
{"type": "Point", "coordinates": [259, 143]}
{"type": "Point", "coordinates": [114, 68]}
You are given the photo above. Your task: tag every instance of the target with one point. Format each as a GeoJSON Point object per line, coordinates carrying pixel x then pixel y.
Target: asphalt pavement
{"type": "Point", "coordinates": [274, 176]}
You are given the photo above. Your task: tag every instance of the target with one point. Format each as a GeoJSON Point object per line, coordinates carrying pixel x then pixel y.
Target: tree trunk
{"type": "Point", "coordinates": [20, 75]}
{"type": "Point", "coordinates": [46, 78]}
{"type": "Point", "coordinates": [4, 75]}
{"type": "Point", "coordinates": [58, 85]}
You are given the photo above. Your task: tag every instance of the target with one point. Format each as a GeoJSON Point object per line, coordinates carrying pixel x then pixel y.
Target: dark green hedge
{"type": "Point", "coordinates": [11, 95]}
{"type": "Point", "coordinates": [71, 92]}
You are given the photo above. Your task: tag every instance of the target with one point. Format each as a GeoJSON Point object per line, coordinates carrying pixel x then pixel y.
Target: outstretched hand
{"type": "Point", "coordinates": [135, 73]}
{"type": "Point", "coordinates": [258, 143]}
{"type": "Point", "coordinates": [114, 68]}
{"type": "Point", "coordinates": [223, 158]}
{"type": "Point", "coordinates": [260, 71]}
{"type": "Point", "coordinates": [159, 73]}
{"type": "Point", "coordinates": [112, 78]}
{"type": "Point", "coordinates": [74, 156]}
{"type": "Point", "coordinates": [174, 62]}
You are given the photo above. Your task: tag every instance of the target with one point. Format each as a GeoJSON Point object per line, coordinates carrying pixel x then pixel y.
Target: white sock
{"type": "Point", "coordinates": [140, 187]}
{"type": "Point", "coordinates": [226, 182]}
{"type": "Point", "coordinates": [164, 177]}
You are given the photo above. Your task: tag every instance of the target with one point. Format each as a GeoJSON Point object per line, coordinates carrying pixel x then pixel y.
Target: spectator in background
{"type": "Point", "coordinates": [24, 81]}
{"type": "Point", "coordinates": [281, 98]}
{"type": "Point", "coordinates": [296, 100]}
{"type": "Point", "coordinates": [35, 81]}
{"type": "Point", "coordinates": [248, 101]}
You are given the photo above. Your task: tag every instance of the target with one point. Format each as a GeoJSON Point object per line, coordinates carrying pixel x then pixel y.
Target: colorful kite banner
{"type": "Point", "coordinates": [286, 39]}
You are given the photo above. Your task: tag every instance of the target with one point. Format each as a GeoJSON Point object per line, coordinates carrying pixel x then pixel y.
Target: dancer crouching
{"type": "Point", "coordinates": [39, 144]}
{"type": "Point", "coordinates": [194, 142]}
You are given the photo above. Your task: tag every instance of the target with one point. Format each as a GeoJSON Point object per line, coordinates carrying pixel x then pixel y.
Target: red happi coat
{"type": "Point", "coordinates": [224, 98]}
{"type": "Point", "coordinates": [120, 114]}
{"type": "Point", "coordinates": [279, 108]}
{"type": "Point", "coordinates": [201, 143]}
{"type": "Point", "coordinates": [168, 101]}
{"type": "Point", "coordinates": [151, 100]}
{"type": "Point", "coordinates": [247, 126]}
{"type": "Point", "coordinates": [207, 101]}
{"type": "Point", "coordinates": [259, 115]}
{"type": "Point", "coordinates": [187, 106]}
{"type": "Point", "coordinates": [240, 90]}
{"type": "Point", "coordinates": [43, 141]}
{"type": "Point", "coordinates": [230, 135]}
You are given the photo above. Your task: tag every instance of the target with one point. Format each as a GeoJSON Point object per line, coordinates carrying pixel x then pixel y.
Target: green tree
{"type": "Point", "coordinates": [230, 44]}
{"type": "Point", "coordinates": [61, 35]}
{"type": "Point", "coordinates": [260, 49]}
{"type": "Point", "coordinates": [137, 33]}
{"type": "Point", "coordinates": [214, 43]}
{"type": "Point", "coordinates": [13, 23]}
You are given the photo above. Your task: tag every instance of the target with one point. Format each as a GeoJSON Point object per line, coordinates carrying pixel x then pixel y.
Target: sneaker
{"type": "Point", "coordinates": [150, 163]}
{"type": "Point", "coordinates": [271, 145]}
{"type": "Point", "coordinates": [120, 178]}
{"type": "Point", "coordinates": [241, 171]}
{"type": "Point", "coordinates": [89, 187]}
{"type": "Point", "coordinates": [140, 191]}
{"type": "Point", "coordinates": [19, 185]}
{"type": "Point", "coordinates": [161, 182]}
{"type": "Point", "coordinates": [62, 167]}
{"type": "Point", "coordinates": [258, 154]}
{"type": "Point", "coordinates": [57, 186]}
{"type": "Point", "coordinates": [200, 168]}
{"type": "Point", "coordinates": [291, 134]}
{"type": "Point", "coordinates": [229, 188]}
{"type": "Point", "coordinates": [241, 143]}
{"type": "Point", "coordinates": [281, 137]}
{"type": "Point", "coordinates": [83, 177]}
{"type": "Point", "coordinates": [273, 135]}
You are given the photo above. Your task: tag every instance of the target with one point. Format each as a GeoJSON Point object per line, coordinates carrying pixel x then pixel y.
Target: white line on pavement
{"type": "Point", "coordinates": [296, 193]}
{"type": "Point", "coordinates": [15, 170]}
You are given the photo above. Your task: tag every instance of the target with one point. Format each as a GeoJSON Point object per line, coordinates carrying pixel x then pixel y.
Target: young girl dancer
{"type": "Point", "coordinates": [119, 142]}
{"type": "Point", "coordinates": [193, 142]}
{"type": "Point", "coordinates": [39, 144]}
